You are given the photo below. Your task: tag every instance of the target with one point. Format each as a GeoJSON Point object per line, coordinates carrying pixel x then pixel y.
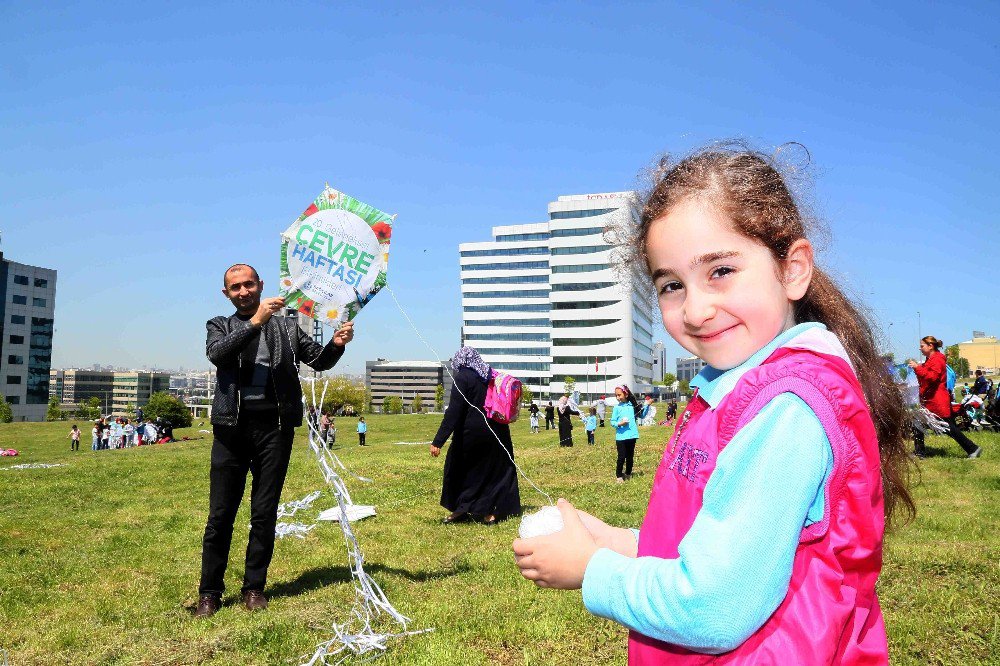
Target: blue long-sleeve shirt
{"type": "Point", "coordinates": [629, 430]}
{"type": "Point", "coordinates": [735, 562]}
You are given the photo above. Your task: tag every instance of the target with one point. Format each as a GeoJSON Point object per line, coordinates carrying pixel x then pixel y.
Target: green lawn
{"type": "Point", "coordinates": [99, 559]}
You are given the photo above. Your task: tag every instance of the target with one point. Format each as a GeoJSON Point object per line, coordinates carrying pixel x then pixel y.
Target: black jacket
{"type": "Point", "coordinates": [289, 346]}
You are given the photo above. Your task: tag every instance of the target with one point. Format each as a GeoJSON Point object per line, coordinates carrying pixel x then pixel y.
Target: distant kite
{"type": "Point", "coordinates": [334, 257]}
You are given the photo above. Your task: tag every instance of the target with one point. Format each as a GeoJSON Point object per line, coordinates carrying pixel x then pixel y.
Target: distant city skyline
{"type": "Point", "coordinates": [145, 152]}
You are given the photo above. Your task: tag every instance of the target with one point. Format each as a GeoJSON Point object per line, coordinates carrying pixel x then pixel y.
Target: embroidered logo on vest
{"type": "Point", "coordinates": [687, 460]}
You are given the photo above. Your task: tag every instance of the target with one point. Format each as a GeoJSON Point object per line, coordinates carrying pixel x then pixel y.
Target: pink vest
{"type": "Point", "coordinates": [830, 614]}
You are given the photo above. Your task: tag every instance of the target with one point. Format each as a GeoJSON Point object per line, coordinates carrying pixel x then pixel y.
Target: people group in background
{"type": "Point", "coordinates": [125, 433]}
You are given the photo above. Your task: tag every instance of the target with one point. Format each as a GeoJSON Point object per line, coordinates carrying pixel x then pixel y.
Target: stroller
{"type": "Point", "coordinates": [971, 414]}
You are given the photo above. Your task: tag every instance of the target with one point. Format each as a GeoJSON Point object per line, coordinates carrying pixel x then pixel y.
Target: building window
{"type": "Point", "coordinates": [17, 319]}
{"type": "Point", "coordinates": [509, 337]}
{"type": "Point", "coordinates": [517, 351]}
{"type": "Point", "coordinates": [517, 365]}
{"type": "Point", "coordinates": [577, 360]}
{"type": "Point", "coordinates": [19, 300]}
{"type": "Point", "coordinates": [582, 286]}
{"type": "Point", "coordinates": [506, 267]}
{"type": "Point", "coordinates": [14, 359]}
{"type": "Point", "coordinates": [38, 302]}
{"type": "Point", "coordinates": [13, 379]}
{"type": "Point", "coordinates": [514, 279]}
{"type": "Point", "coordinates": [13, 400]}
{"type": "Point", "coordinates": [529, 293]}
{"type": "Point", "coordinates": [523, 307]}
{"type": "Point", "coordinates": [573, 214]}
{"type": "Point", "coordinates": [21, 279]}
{"type": "Point", "coordinates": [586, 249]}
{"type": "Point", "coordinates": [41, 283]}
{"type": "Point", "coordinates": [582, 342]}
{"type": "Point", "coordinates": [523, 237]}
{"type": "Point", "coordinates": [572, 233]}
{"type": "Point", "coordinates": [580, 268]}
{"type": "Point", "coordinates": [505, 251]}
{"type": "Point", "coordinates": [582, 323]}
{"type": "Point", "coordinates": [17, 339]}
{"type": "Point", "coordinates": [582, 305]}
{"type": "Point", "coordinates": [507, 322]}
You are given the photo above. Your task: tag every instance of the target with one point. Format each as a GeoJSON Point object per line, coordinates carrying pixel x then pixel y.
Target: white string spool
{"type": "Point", "coordinates": [545, 521]}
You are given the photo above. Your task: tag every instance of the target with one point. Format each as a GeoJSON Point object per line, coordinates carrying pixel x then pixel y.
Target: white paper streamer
{"type": "Point", "coordinates": [34, 466]}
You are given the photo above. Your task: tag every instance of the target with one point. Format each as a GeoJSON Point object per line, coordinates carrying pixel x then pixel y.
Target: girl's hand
{"type": "Point", "coordinates": [620, 540]}
{"type": "Point", "coordinates": [557, 560]}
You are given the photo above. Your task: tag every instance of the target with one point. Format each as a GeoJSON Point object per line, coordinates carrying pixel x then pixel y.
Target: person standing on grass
{"type": "Point", "coordinates": [74, 438]}
{"type": "Point", "coordinates": [602, 407]}
{"type": "Point", "coordinates": [626, 432]}
{"type": "Point", "coordinates": [566, 414]}
{"type": "Point", "coordinates": [324, 427]}
{"type": "Point", "coordinates": [533, 420]}
{"type": "Point", "coordinates": [590, 425]}
{"type": "Point", "coordinates": [95, 436]}
{"type": "Point", "coordinates": [935, 397]}
{"type": "Point", "coordinates": [550, 416]}
{"type": "Point", "coordinates": [362, 430]}
{"type": "Point", "coordinates": [257, 406]}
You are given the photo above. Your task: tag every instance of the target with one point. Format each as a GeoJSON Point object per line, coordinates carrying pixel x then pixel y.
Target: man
{"type": "Point", "coordinates": [550, 416]}
{"type": "Point", "coordinates": [981, 387]}
{"type": "Point", "coordinates": [601, 409]}
{"type": "Point", "coordinates": [257, 406]}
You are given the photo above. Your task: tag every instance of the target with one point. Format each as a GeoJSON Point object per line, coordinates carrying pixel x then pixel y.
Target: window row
{"type": "Point", "coordinates": [582, 305]}
{"type": "Point", "coordinates": [518, 365]}
{"type": "Point", "coordinates": [510, 279]}
{"type": "Point", "coordinates": [572, 233]}
{"type": "Point", "coordinates": [497, 351]}
{"type": "Point", "coordinates": [582, 286]}
{"type": "Point", "coordinates": [41, 283]}
{"type": "Point", "coordinates": [541, 235]}
{"type": "Point", "coordinates": [529, 293]}
{"type": "Point", "coordinates": [504, 251]}
{"type": "Point", "coordinates": [507, 322]}
{"type": "Point", "coordinates": [580, 268]}
{"type": "Point", "coordinates": [23, 300]}
{"type": "Point", "coordinates": [509, 337]}
{"type": "Point", "coordinates": [585, 249]}
{"type": "Point", "coordinates": [517, 307]}
{"type": "Point", "coordinates": [574, 360]}
{"type": "Point", "coordinates": [581, 342]}
{"type": "Point", "coordinates": [573, 214]}
{"type": "Point", "coordinates": [582, 323]}
{"type": "Point", "coordinates": [523, 265]}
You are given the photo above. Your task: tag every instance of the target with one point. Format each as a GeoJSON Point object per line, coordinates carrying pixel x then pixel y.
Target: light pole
{"type": "Point", "coordinates": [920, 332]}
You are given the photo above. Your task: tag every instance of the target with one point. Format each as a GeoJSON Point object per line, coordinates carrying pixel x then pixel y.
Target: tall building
{"type": "Point", "coordinates": [27, 313]}
{"type": "Point", "coordinates": [132, 389]}
{"type": "Point", "coordinates": [406, 379]}
{"type": "Point", "coordinates": [659, 361]}
{"type": "Point", "coordinates": [78, 386]}
{"type": "Point", "coordinates": [545, 301]}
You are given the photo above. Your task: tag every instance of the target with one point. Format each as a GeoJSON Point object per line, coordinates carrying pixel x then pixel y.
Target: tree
{"type": "Point", "coordinates": [90, 410]}
{"type": "Point", "coordinates": [957, 363]}
{"type": "Point", "coordinates": [669, 378]}
{"type": "Point", "coordinates": [418, 404]}
{"type": "Point", "coordinates": [439, 398]}
{"type": "Point", "coordinates": [392, 405]}
{"type": "Point", "coordinates": [6, 413]}
{"type": "Point", "coordinates": [53, 413]}
{"type": "Point", "coordinates": [685, 387]}
{"type": "Point", "coordinates": [341, 392]}
{"type": "Point", "coordinates": [162, 405]}
{"type": "Point", "coordinates": [526, 395]}
{"type": "Point", "coordinates": [569, 385]}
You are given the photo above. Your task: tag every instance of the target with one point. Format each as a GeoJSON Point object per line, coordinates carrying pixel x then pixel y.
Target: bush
{"type": "Point", "coordinates": [392, 405]}
{"type": "Point", "coordinates": [53, 413]}
{"type": "Point", "coordinates": [90, 410]}
{"type": "Point", "coordinates": [418, 404]}
{"type": "Point", "coordinates": [439, 398]}
{"type": "Point", "coordinates": [162, 405]}
{"type": "Point", "coordinates": [340, 392]}
{"type": "Point", "coordinates": [6, 413]}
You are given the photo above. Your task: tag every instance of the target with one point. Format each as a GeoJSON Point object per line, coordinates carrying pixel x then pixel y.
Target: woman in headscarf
{"type": "Point", "coordinates": [479, 476]}
{"type": "Point", "coordinates": [566, 412]}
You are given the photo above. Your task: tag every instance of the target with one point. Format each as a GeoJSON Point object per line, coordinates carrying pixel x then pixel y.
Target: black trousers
{"type": "Point", "coordinates": [361, 439]}
{"type": "Point", "coordinates": [626, 452]}
{"type": "Point", "coordinates": [550, 423]}
{"type": "Point", "coordinates": [967, 444]}
{"type": "Point", "coordinates": [255, 445]}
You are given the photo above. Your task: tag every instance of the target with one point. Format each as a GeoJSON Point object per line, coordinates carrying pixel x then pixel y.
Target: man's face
{"type": "Point", "coordinates": [243, 289]}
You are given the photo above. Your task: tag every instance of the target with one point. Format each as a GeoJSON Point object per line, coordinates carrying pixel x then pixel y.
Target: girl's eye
{"type": "Point", "coordinates": [670, 287]}
{"type": "Point", "coordinates": [723, 271]}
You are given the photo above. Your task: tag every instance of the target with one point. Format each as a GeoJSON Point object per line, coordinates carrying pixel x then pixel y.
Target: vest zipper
{"type": "Point", "coordinates": [684, 420]}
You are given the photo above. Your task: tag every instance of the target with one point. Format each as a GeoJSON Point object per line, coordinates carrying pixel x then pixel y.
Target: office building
{"type": "Point", "coordinates": [133, 389]}
{"type": "Point", "coordinates": [406, 379]}
{"type": "Point", "coordinates": [546, 301]}
{"type": "Point", "coordinates": [27, 315]}
{"type": "Point", "coordinates": [74, 387]}
{"type": "Point", "coordinates": [659, 361]}
{"type": "Point", "coordinates": [688, 367]}
{"type": "Point", "coordinates": [982, 352]}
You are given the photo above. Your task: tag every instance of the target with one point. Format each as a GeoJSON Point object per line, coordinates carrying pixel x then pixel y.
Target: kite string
{"type": "Point", "coordinates": [455, 387]}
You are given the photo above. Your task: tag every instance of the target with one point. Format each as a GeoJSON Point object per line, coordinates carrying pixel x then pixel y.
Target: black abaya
{"type": "Point", "coordinates": [566, 425]}
{"type": "Point", "coordinates": [479, 477]}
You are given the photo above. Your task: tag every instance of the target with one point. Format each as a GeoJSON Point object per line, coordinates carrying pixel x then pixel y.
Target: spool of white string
{"type": "Point", "coordinates": [546, 520]}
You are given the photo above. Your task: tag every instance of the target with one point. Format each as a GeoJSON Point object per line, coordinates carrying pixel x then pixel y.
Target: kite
{"type": "Point", "coordinates": [334, 257]}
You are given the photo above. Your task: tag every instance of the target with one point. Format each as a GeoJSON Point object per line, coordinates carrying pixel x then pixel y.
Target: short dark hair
{"type": "Point", "coordinates": [256, 276]}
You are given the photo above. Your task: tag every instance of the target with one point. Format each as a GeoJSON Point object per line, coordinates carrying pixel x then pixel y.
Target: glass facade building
{"type": "Point", "coordinates": [567, 312]}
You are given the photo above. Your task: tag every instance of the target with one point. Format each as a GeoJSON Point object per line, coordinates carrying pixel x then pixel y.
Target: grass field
{"type": "Point", "coordinates": [99, 559]}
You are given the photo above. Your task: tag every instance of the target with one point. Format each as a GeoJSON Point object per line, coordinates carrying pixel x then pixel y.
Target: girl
{"type": "Point", "coordinates": [626, 433]}
{"type": "Point", "coordinates": [935, 397]}
{"type": "Point", "coordinates": [362, 430]}
{"type": "Point", "coordinates": [74, 438]}
{"type": "Point", "coordinates": [590, 425]}
{"type": "Point", "coordinates": [533, 420]}
{"type": "Point", "coordinates": [762, 539]}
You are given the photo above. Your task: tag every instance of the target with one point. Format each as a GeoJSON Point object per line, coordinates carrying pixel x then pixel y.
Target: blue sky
{"type": "Point", "coordinates": [144, 148]}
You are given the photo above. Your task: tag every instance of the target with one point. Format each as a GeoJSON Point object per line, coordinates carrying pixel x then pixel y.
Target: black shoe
{"type": "Point", "coordinates": [208, 605]}
{"type": "Point", "coordinates": [455, 518]}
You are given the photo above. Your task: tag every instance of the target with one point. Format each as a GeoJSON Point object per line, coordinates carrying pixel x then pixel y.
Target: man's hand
{"type": "Point", "coordinates": [344, 334]}
{"type": "Point", "coordinates": [268, 306]}
{"type": "Point", "coordinates": [435, 451]}
{"type": "Point", "coordinates": [557, 560]}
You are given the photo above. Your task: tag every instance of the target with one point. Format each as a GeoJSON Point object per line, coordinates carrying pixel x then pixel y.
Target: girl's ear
{"type": "Point", "coordinates": [798, 269]}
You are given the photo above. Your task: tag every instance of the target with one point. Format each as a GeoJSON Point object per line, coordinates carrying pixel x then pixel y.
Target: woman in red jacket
{"type": "Point", "coordinates": [935, 396]}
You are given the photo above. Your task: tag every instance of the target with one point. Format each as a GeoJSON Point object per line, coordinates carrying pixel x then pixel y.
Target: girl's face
{"type": "Point", "coordinates": [620, 394]}
{"type": "Point", "coordinates": [719, 292]}
{"type": "Point", "coordinates": [926, 348]}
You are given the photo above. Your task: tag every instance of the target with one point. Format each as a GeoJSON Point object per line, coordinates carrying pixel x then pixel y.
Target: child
{"type": "Point", "coordinates": [74, 438]}
{"type": "Point", "coordinates": [590, 425]}
{"type": "Point", "coordinates": [626, 433]}
{"type": "Point", "coordinates": [362, 429]}
{"type": "Point", "coordinates": [763, 534]}
{"type": "Point", "coordinates": [533, 419]}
